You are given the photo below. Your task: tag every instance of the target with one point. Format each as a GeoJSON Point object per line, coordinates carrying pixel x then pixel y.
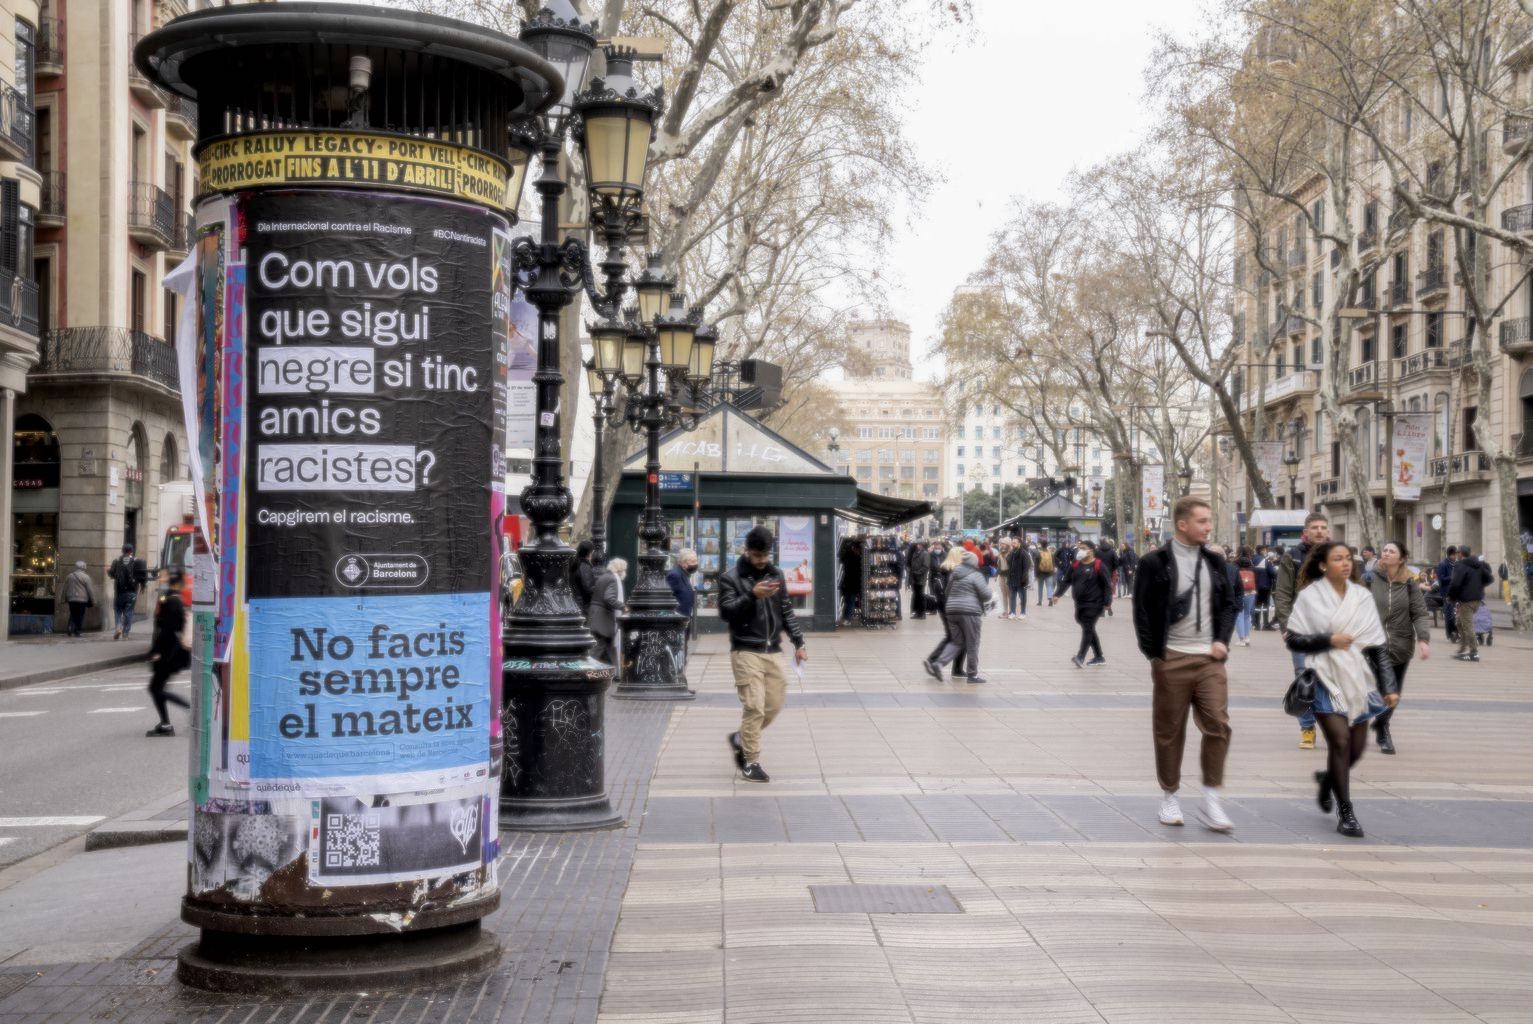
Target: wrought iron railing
{"type": "Point", "coordinates": [111, 350]}
{"type": "Point", "coordinates": [150, 208]}
{"type": "Point", "coordinates": [1328, 488]}
{"type": "Point", "coordinates": [1515, 129]}
{"type": "Point", "coordinates": [1421, 362]}
{"type": "Point", "coordinates": [1367, 240]}
{"type": "Point", "coordinates": [54, 199]}
{"type": "Point", "coordinates": [1398, 294]}
{"type": "Point", "coordinates": [1463, 462]}
{"type": "Point", "coordinates": [1518, 218]}
{"type": "Point", "coordinates": [18, 301]}
{"type": "Point", "coordinates": [16, 118]}
{"type": "Point", "coordinates": [1360, 377]}
{"type": "Point", "coordinates": [177, 105]}
{"type": "Point", "coordinates": [1518, 330]}
{"type": "Point", "coordinates": [1432, 280]}
{"type": "Point", "coordinates": [50, 41]}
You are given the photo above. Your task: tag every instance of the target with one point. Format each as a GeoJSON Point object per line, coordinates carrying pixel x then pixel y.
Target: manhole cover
{"type": "Point", "coordinates": [884, 899]}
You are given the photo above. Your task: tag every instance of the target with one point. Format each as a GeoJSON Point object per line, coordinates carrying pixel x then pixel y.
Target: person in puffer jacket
{"type": "Point", "coordinates": [968, 592]}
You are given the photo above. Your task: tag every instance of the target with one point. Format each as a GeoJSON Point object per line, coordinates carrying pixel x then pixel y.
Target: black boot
{"type": "Point", "coordinates": [1346, 821]}
{"type": "Point", "coordinates": [1386, 741]}
{"type": "Point", "coordinates": [1324, 796]}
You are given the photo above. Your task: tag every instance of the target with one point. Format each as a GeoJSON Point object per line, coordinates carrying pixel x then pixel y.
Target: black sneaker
{"type": "Point", "coordinates": [1097, 661]}
{"type": "Point", "coordinates": [734, 742]}
{"type": "Point", "coordinates": [975, 679]}
{"type": "Point", "coordinates": [1078, 661]}
{"type": "Point", "coordinates": [162, 730]}
{"type": "Point", "coordinates": [753, 772]}
{"type": "Point", "coordinates": [932, 669]}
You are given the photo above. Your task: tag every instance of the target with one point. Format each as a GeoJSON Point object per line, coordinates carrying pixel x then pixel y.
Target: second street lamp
{"type": "Point", "coordinates": [654, 631]}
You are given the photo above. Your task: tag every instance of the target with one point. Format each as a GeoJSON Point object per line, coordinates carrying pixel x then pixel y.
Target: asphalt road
{"type": "Point", "coordinates": [73, 753]}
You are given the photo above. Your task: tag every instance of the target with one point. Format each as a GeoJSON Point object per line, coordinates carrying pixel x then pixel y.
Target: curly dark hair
{"type": "Point", "coordinates": [1314, 566]}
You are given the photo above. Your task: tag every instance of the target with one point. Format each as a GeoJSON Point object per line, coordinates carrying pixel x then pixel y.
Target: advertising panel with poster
{"type": "Point", "coordinates": [1152, 490]}
{"type": "Point", "coordinates": [795, 554]}
{"type": "Point", "coordinates": [349, 719]}
{"type": "Point", "coordinates": [1408, 460]}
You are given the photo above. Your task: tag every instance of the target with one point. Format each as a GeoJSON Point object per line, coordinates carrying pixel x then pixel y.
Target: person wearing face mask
{"type": "Point", "coordinates": [1403, 610]}
{"type": "Point", "coordinates": [1184, 613]}
{"type": "Point", "coordinates": [1091, 588]}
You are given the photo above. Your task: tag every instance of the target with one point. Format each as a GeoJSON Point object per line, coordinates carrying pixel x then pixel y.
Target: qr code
{"type": "Point", "coordinates": [351, 841]}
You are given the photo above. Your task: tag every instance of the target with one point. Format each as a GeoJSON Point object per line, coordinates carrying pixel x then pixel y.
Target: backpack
{"type": "Point", "coordinates": [1045, 561]}
{"type": "Point", "coordinates": [1248, 580]}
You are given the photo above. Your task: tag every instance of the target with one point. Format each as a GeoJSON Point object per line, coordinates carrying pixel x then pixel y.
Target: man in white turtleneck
{"type": "Point", "coordinates": [1184, 612]}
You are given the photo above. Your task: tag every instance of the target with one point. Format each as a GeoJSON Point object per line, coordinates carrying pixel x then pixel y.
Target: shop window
{"type": "Point", "coordinates": [34, 568]}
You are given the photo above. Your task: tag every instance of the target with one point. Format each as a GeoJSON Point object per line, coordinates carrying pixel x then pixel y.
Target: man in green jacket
{"type": "Point", "coordinates": [1317, 530]}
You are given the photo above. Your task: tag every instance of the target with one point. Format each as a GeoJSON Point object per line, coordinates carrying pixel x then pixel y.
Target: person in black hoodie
{"type": "Point", "coordinates": [583, 577]}
{"type": "Point", "coordinates": [1467, 590]}
{"type": "Point", "coordinates": [1091, 588]}
{"type": "Point", "coordinates": [1184, 614]}
{"type": "Point", "coordinates": [753, 600]}
{"type": "Point", "coordinates": [170, 653]}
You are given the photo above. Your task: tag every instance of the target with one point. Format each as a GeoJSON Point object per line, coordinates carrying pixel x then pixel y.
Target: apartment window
{"type": "Point", "coordinates": [864, 472]}
{"type": "Point", "coordinates": [907, 473]}
{"type": "Point", "coordinates": [907, 413]}
{"type": "Point", "coordinates": [1317, 292]}
{"type": "Point", "coordinates": [962, 433]}
{"type": "Point", "coordinates": [1282, 365]}
{"type": "Point", "coordinates": [1397, 341]}
{"type": "Point", "coordinates": [885, 455]}
{"type": "Point", "coordinates": [1369, 352]}
{"type": "Point", "coordinates": [26, 50]}
{"type": "Point", "coordinates": [932, 433]}
{"type": "Point", "coordinates": [864, 433]}
{"type": "Point", "coordinates": [885, 433]}
{"type": "Point", "coordinates": [961, 450]}
{"type": "Point", "coordinates": [168, 303]}
{"type": "Point", "coordinates": [1371, 217]}
{"type": "Point", "coordinates": [995, 433]}
{"type": "Point", "coordinates": [1435, 250]}
{"type": "Point", "coordinates": [931, 455]}
{"type": "Point", "coordinates": [886, 472]}
{"type": "Point", "coordinates": [960, 471]}
{"type": "Point", "coordinates": [1316, 351]}
{"type": "Point", "coordinates": [137, 298]}
{"type": "Point", "coordinates": [865, 455]}
{"type": "Point", "coordinates": [1298, 356]}
{"type": "Point", "coordinates": [1021, 470]}
{"type": "Point", "coordinates": [995, 470]}
{"type": "Point", "coordinates": [15, 230]}
{"type": "Point", "coordinates": [908, 455]}
{"type": "Point", "coordinates": [1319, 431]}
{"type": "Point", "coordinates": [995, 410]}
{"type": "Point", "coordinates": [995, 451]}
{"type": "Point", "coordinates": [1434, 330]}
{"type": "Point", "coordinates": [929, 473]}
{"type": "Point", "coordinates": [1317, 214]}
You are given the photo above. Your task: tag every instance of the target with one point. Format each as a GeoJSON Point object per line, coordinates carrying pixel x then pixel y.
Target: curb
{"type": "Point", "coordinates": [140, 827]}
{"type": "Point", "coordinates": [70, 671]}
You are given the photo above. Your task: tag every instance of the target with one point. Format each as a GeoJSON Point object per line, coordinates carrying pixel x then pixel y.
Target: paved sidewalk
{"type": "Point", "coordinates": [40, 659]}
{"type": "Point", "coordinates": [938, 853]}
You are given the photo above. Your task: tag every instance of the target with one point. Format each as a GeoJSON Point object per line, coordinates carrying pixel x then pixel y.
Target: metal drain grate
{"type": "Point", "coordinates": [884, 899]}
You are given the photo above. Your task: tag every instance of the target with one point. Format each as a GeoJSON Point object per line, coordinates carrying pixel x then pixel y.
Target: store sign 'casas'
{"type": "Point", "coordinates": [363, 159]}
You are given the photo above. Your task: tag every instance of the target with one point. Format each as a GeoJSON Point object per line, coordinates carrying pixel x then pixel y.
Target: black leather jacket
{"type": "Point", "coordinates": [756, 623]}
{"type": "Point", "coordinates": [1155, 587]}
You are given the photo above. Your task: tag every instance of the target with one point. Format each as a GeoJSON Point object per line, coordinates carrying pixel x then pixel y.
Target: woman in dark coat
{"type": "Point", "coordinates": [1403, 611]}
{"type": "Point", "coordinates": [941, 576]}
{"type": "Point", "coordinates": [851, 577]}
{"type": "Point", "coordinates": [168, 654]}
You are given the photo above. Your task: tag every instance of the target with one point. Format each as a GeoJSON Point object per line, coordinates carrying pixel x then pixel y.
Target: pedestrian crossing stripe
{"type": "Point", "coordinates": [20, 714]}
{"type": "Point", "coordinates": [57, 821]}
{"type": "Point", "coordinates": [112, 711]}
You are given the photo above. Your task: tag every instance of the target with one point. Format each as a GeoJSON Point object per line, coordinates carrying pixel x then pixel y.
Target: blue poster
{"type": "Point", "coordinates": [350, 688]}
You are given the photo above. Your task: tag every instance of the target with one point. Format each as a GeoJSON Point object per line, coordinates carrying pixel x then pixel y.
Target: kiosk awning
{"type": "Point", "coordinates": [883, 510]}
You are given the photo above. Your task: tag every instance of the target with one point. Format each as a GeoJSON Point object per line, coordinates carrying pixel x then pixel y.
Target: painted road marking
{"type": "Point", "coordinates": [53, 822]}
{"type": "Point", "coordinates": [37, 693]}
{"type": "Point", "coordinates": [113, 711]}
{"type": "Point", "coordinates": [20, 714]}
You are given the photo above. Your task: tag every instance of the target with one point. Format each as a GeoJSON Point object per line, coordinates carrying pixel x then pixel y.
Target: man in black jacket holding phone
{"type": "Point", "coordinates": [1184, 612]}
{"type": "Point", "coordinates": [754, 601]}
{"type": "Point", "coordinates": [1467, 591]}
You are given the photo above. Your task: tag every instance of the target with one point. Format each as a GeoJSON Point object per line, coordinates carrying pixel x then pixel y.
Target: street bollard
{"type": "Point", "coordinates": [344, 357]}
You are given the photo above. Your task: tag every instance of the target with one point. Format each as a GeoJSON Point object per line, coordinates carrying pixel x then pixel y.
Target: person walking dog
{"type": "Point", "coordinates": [1184, 612]}
{"type": "Point", "coordinates": [753, 600]}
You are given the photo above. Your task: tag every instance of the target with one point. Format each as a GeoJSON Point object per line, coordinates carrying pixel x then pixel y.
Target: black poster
{"type": "Point", "coordinates": [371, 410]}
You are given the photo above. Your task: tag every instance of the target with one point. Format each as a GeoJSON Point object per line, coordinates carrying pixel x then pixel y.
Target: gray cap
{"type": "Point", "coordinates": [970, 558]}
{"type": "Point", "coordinates": [79, 565]}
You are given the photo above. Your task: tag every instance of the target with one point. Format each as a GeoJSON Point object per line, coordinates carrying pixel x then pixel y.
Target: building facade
{"type": "Point", "coordinates": [98, 441]}
{"type": "Point", "coordinates": [897, 435]}
{"type": "Point", "coordinates": [1409, 355]}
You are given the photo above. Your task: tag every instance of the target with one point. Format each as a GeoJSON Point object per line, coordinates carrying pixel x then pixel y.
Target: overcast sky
{"type": "Point", "coordinates": [1066, 78]}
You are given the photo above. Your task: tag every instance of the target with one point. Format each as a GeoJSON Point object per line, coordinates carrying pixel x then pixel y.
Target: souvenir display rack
{"type": "Point", "coordinates": [880, 585]}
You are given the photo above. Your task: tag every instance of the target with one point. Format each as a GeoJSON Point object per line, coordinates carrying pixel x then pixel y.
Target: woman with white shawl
{"type": "Point", "coordinates": [1335, 622]}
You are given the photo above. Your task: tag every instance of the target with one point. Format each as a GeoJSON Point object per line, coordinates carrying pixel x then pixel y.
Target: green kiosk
{"type": "Point", "coordinates": [732, 473]}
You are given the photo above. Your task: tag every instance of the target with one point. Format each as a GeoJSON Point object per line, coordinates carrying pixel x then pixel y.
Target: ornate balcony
{"type": "Point", "coordinates": [53, 205]}
{"type": "Point", "coordinates": [182, 236]}
{"type": "Point", "coordinates": [15, 124]}
{"type": "Point", "coordinates": [107, 353]}
{"type": "Point", "coordinates": [1463, 466]}
{"type": "Point", "coordinates": [180, 116]}
{"type": "Point", "coordinates": [144, 90]}
{"type": "Point", "coordinates": [151, 217]}
{"type": "Point", "coordinates": [18, 304]}
{"type": "Point", "coordinates": [1514, 133]}
{"type": "Point", "coordinates": [1397, 295]}
{"type": "Point", "coordinates": [1293, 325]}
{"type": "Point", "coordinates": [1517, 337]}
{"type": "Point", "coordinates": [1399, 220]}
{"type": "Point", "coordinates": [1367, 241]}
{"type": "Point", "coordinates": [1522, 446]}
{"type": "Point", "coordinates": [1419, 364]}
{"type": "Point", "coordinates": [50, 47]}
{"type": "Point", "coordinates": [1295, 384]}
{"type": "Point", "coordinates": [1327, 488]}
{"type": "Point", "coordinates": [1361, 378]}
{"type": "Point", "coordinates": [1432, 283]}
{"type": "Point", "coordinates": [1518, 219]}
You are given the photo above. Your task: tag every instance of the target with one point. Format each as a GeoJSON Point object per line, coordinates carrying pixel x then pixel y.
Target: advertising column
{"type": "Point", "coordinates": [351, 361]}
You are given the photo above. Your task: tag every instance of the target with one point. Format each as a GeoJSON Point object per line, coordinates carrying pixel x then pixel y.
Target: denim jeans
{"type": "Point", "coordinates": [1016, 596]}
{"type": "Point", "coordinates": [1243, 620]}
{"type": "Point", "coordinates": [122, 605]}
{"type": "Point", "coordinates": [1045, 587]}
{"type": "Point", "coordinates": [1305, 721]}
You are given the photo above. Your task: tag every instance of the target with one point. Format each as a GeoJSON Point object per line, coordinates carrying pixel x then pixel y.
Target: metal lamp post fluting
{"type": "Point", "coordinates": [554, 765]}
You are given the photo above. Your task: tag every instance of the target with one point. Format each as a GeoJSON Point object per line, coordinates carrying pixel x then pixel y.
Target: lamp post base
{"type": "Point", "coordinates": [553, 721]}
{"type": "Point", "coordinates": [654, 657]}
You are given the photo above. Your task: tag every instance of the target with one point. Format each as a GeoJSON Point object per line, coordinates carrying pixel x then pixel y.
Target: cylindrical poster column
{"type": "Point", "coordinates": [346, 367]}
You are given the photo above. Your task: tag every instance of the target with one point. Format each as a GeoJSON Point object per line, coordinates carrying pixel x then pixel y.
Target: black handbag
{"type": "Point", "coordinates": [1300, 698]}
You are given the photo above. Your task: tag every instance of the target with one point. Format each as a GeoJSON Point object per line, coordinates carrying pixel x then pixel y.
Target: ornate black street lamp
{"type": "Point", "coordinates": [554, 776]}
{"type": "Point", "coordinates": [1291, 461]}
{"type": "Point", "coordinates": [666, 364]}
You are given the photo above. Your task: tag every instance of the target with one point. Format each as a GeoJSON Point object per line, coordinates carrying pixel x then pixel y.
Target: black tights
{"type": "Point", "coordinates": [1344, 746]}
{"type": "Point", "coordinates": [161, 696]}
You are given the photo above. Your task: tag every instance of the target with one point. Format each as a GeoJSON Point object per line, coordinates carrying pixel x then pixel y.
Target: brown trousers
{"type": "Point", "coordinates": [1198, 682]}
{"type": "Point", "coordinates": [1468, 639]}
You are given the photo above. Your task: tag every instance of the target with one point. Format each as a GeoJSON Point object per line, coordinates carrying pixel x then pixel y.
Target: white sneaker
{"type": "Point", "coordinates": [1170, 809]}
{"type": "Point", "coordinates": [1212, 815]}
